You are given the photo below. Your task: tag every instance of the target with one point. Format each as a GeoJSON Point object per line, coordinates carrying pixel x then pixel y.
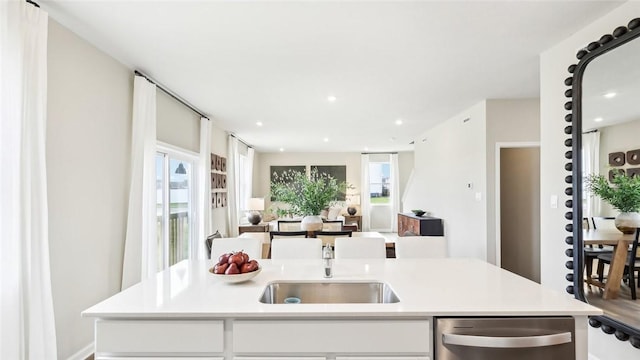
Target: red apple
{"type": "Point", "coordinates": [232, 269]}
{"type": "Point", "coordinates": [220, 268]}
{"type": "Point", "coordinates": [224, 258]}
{"type": "Point", "coordinates": [249, 266]}
{"type": "Point", "coordinates": [246, 267]}
{"type": "Point", "coordinates": [237, 259]}
{"type": "Point", "coordinates": [245, 255]}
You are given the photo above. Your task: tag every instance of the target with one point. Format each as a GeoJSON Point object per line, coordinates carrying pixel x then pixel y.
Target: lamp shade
{"type": "Point", "coordinates": [256, 204]}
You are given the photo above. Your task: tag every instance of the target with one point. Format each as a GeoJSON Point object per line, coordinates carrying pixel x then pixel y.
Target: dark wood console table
{"type": "Point", "coordinates": [419, 225]}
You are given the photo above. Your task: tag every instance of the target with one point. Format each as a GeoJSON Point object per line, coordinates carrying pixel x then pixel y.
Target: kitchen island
{"type": "Point", "coordinates": [185, 312]}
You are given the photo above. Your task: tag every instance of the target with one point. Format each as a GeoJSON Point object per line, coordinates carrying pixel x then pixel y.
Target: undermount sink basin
{"type": "Point", "coordinates": [328, 292]}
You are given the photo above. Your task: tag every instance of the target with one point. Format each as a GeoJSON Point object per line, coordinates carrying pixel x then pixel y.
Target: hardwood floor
{"type": "Point", "coordinates": [622, 308]}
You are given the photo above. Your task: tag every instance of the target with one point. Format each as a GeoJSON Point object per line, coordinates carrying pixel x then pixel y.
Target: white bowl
{"type": "Point", "coordinates": [237, 278]}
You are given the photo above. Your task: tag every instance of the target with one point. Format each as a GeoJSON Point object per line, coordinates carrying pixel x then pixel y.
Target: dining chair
{"type": "Point", "coordinates": [332, 225]}
{"type": "Point", "coordinates": [285, 234]}
{"type": "Point", "coordinates": [421, 247]}
{"type": "Point", "coordinates": [632, 265]}
{"type": "Point", "coordinates": [604, 222]}
{"type": "Point", "coordinates": [252, 247]}
{"type": "Point", "coordinates": [360, 248]}
{"type": "Point", "coordinates": [591, 252]}
{"type": "Point", "coordinates": [329, 237]}
{"type": "Point", "coordinates": [289, 225]}
{"type": "Point", "coordinates": [298, 248]}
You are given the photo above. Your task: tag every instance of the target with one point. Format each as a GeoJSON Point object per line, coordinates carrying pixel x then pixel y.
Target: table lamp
{"type": "Point", "coordinates": [354, 199]}
{"type": "Point", "coordinates": [255, 206]}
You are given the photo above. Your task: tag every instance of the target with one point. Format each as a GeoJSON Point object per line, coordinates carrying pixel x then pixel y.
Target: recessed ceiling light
{"type": "Point", "coordinates": [598, 119]}
{"type": "Point", "coordinates": [610, 95]}
{"type": "Point", "coordinates": [259, 123]}
{"type": "Point", "coordinates": [281, 149]}
{"type": "Point", "coordinates": [398, 121]}
{"type": "Point", "coordinates": [366, 148]}
{"type": "Point", "coordinates": [325, 139]}
{"type": "Point", "coordinates": [331, 98]}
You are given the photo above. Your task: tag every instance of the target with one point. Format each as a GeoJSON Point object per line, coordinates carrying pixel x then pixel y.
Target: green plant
{"type": "Point", "coordinates": [623, 193]}
{"type": "Point", "coordinates": [306, 195]}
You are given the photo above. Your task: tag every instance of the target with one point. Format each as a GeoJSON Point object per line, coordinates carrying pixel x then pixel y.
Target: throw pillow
{"type": "Point", "coordinates": [334, 212]}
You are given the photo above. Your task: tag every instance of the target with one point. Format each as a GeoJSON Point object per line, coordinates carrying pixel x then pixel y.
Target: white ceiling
{"type": "Point", "coordinates": [276, 62]}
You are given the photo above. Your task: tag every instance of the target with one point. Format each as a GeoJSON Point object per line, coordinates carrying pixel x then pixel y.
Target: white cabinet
{"type": "Point", "coordinates": [279, 358]}
{"type": "Point", "coordinates": [179, 338]}
{"type": "Point", "coordinates": [382, 358]}
{"type": "Point", "coordinates": [98, 357]}
{"type": "Point", "coordinates": [332, 336]}
{"type": "Point", "coordinates": [264, 339]}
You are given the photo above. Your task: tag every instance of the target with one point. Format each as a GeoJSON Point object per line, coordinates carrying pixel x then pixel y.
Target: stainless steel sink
{"type": "Point", "coordinates": [328, 292]}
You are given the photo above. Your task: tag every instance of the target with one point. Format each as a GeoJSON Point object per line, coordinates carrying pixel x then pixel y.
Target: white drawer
{"type": "Point", "coordinates": [334, 336]}
{"type": "Point", "coordinates": [159, 336]}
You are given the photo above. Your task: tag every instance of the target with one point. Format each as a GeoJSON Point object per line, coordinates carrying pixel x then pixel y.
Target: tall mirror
{"type": "Point", "coordinates": [605, 141]}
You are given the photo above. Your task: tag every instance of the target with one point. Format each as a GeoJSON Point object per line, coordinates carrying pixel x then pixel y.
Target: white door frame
{"type": "Point", "coordinates": [500, 146]}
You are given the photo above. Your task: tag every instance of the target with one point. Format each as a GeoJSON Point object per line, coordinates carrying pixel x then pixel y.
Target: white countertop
{"type": "Point", "coordinates": [426, 287]}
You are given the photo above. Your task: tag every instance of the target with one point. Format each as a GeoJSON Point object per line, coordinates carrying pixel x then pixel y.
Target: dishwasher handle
{"type": "Point", "coordinates": [507, 342]}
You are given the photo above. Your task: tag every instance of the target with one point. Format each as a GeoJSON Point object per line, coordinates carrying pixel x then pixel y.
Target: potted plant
{"type": "Point", "coordinates": [623, 193]}
{"type": "Point", "coordinates": [306, 195]}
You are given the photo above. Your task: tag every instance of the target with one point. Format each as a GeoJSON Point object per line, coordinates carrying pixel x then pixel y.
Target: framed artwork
{"type": "Point", "coordinates": [338, 172]}
{"type": "Point", "coordinates": [276, 171]}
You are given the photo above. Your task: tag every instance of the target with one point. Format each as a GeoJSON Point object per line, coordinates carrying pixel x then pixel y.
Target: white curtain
{"type": "Point", "coordinates": [591, 165]}
{"type": "Point", "coordinates": [27, 328]}
{"type": "Point", "coordinates": [395, 192]}
{"type": "Point", "coordinates": [366, 196]}
{"type": "Point", "coordinates": [251, 154]}
{"type": "Point", "coordinates": [141, 249]}
{"type": "Point", "coordinates": [233, 187]}
{"type": "Point", "coordinates": [204, 188]}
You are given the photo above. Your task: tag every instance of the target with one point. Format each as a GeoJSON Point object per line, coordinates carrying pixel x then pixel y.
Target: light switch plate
{"type": "Point", "coordinates": [554, 201]}
{"type": "Point", "coordinates": [478, 196]}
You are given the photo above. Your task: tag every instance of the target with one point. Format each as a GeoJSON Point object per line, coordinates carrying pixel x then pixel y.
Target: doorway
{"type": "Point", "coordinates": [518, 208]}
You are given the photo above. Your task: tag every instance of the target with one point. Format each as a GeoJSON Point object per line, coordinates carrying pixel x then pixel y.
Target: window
{"type": "Point", "coordinates": [379, 182]}
{"type": "Point", "coordinates": [175, 204]}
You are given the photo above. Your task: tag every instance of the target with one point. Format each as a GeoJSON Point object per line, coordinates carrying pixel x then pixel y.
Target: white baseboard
{"type": "Point", "coordinates": [87, 351]}
{"type": "Point", "coordinates": [591, 357]}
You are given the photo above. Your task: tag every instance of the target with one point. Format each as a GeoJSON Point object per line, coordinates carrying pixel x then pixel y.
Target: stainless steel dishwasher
{"type": "Point", "coordinates": [523, 338]}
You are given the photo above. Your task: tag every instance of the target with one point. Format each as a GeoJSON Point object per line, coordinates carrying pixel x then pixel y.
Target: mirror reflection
{"type": "Point", "coordinates": [610, 145]}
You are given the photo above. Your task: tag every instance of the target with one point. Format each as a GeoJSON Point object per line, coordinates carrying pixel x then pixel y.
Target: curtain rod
{"type": "Point", "coordinates": [379, 153]}
{"type": "Point", "coordinates": [170, 93]}
{"type": "Point", "coordinates": [33, 3]}
{"type": "Point", "coordinates": [590, 131]}
{"type": "Point", "coordinates": [239, 139]}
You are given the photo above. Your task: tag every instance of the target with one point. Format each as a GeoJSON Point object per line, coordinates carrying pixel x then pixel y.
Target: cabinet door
{"type": "Point", "coordinates": [382, 358]}
{"type": "Point", "coordinates": [156, 337]}
{"type": "Point", "coordinates": [98, 357]}
{"type": "Point", "coordinates": [279, 358]}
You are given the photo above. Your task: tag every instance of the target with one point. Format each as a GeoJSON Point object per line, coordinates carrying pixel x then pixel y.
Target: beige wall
{"type": "Point", "coordinates": [520, 211]}
{"type": "Point", "coordinates": [508, 121]}
{"type": "Point", "coordinates": [451, 157]}
{"type": "Point", "coordinates": [263, 162]}
{"type": "Point", "coordinates": [88, 160]}
{"type": "Point", "coordinates": [88, 150]}
{"type": "Point", "coordinates": [176, 124]}
{"type": "Point", "coordinates": [553, 71]}
{"type": "Point", "coordinates": [219, 147]}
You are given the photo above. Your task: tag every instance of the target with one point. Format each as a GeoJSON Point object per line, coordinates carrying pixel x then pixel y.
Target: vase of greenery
{"type": "Point", "coordinates": [623, 193]}
{"type": "Point", "coordinates": [306, 195]}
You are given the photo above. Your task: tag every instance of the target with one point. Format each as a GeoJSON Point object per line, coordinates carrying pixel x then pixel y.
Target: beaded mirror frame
{"type": "Point", "coordinates": [606, 43]}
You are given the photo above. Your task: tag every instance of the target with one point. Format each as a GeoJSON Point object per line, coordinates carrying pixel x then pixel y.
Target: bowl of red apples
{"type": "Point", "coordinates": [235, 267]}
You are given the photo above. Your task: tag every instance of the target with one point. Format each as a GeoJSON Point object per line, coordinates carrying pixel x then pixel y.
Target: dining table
{"type": "Point", "coordinates": [266, 240]}
{"type": "Point", "coordinates": [620, 243]}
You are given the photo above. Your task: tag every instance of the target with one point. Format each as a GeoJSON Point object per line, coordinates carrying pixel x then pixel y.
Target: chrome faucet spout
{"type": "Point", "coordinates": [327, 260]}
